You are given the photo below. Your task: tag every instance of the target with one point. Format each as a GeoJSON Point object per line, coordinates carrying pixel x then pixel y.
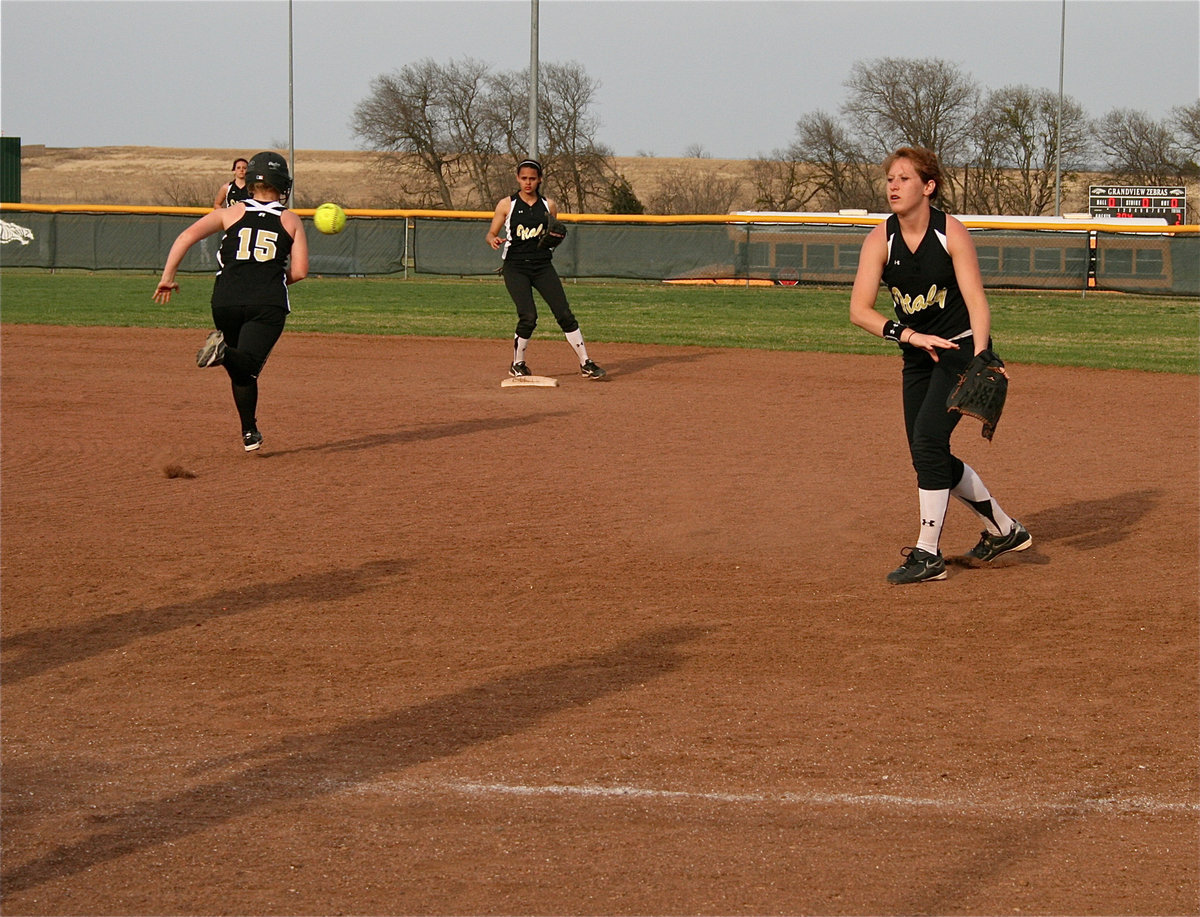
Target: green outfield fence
{"type": "Point", "coordinates": [786, 249]}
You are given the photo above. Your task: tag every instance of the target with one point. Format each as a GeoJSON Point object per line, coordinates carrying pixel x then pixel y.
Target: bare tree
{"type": "Point", "coordinates": [898, 102]}
{"type": "Point", "coordinates": [1187, 133]}
{"type": "Point", "coordinates": [1138, 149]}
{"type": "Point", "coordinates": [821, 169]}
{"type": "Point", "coordinates": [508, 111]}
{"type": "Point", "coordinates": [780, 183]}
{"type": "Point", "coordinates": [405, 114]}
{"type": "Point", "coordinates": [693, 191]}
{"type": "Point", "coordinates": [472, 130]}
{"type": "Point", "coordinates": [840, 175]}
{"type": "Point", "coordinates": [446, 126]}
{"type": "Point", "coordinates": [579, 161]}
{"type": "Point", "coordinates": [1013, 166]}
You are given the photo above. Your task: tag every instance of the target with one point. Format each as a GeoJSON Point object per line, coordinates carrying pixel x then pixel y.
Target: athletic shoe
{"type": "Point", "coordinates": [992, 546]}
{"type": "Point", "coordinates": [919, 567]}
{"type": "Point", "coordinates": [519, 369]}
{"type": "Point", "coordinates": [592, 371]}
{"type": "Point", "coordinates": [213, 350]}
{"type": "Point", "coordinates": [251, 440]}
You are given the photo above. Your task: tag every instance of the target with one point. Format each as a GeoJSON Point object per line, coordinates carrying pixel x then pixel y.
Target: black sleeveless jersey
{"type": "Point", "coordinates": [253, 257]}
{"type": "Point", "coordinates": [233, 194]}
{"type": "Point", "coordinates": [524, 228]}
{"type": "Point", "coordinates": [922, 283]}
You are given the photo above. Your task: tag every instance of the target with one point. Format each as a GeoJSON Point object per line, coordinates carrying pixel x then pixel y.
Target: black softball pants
{"type": "Point", "coordinates": [521, 279]}
{"type": "Point", "coordinates": [250, 334]}
{"type": "Point", "coordinates": [926, 386]}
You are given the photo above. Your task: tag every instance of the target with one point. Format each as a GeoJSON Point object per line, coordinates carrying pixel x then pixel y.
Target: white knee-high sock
{"type": "Point", "coordinates": [974, 493]}
{"type": "Point", "coordinates": [575, 339]}
{"type": "Point", "coordinates": [519, 345]}
{"type": "Point", "coordinates": [933, 515]}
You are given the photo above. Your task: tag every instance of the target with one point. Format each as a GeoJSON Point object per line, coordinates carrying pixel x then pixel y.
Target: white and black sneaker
{"type": "Point", "coordinates": [592, 371]}
{"type": "Point", "coordinates": [213, 350]}
{"type": "Point", "coordinates": [519, 369]}
{"type": "Point", "coordinates": [992, 546]}
{"type": "Point", "coordinates": [920, 566]}
{"type": "Point", "coordinates": [252, 440]}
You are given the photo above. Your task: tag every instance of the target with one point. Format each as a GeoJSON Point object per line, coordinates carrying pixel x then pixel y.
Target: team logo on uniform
{"type": "Point", "coordinates": [911, 305]}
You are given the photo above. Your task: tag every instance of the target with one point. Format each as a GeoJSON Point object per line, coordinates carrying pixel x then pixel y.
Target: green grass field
{"type": "Point", "coordinates": [1099, 330]}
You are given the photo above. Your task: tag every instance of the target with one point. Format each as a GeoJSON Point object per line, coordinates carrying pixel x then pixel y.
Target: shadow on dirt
{"type": "Point", "coordinates": [308, 766]}
{"type": "Point", "coordinates": [33, 652]}
{"type": "Point", "coordinates": [424, 433]}
{"type": "Point", "coordinates": [634, 366]}
{"type": "Point", "coordinates": [1091, 524]}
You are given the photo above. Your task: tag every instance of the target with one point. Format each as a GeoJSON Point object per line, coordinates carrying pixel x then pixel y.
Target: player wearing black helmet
{"type": "Point", "coordinates": [263, 251]}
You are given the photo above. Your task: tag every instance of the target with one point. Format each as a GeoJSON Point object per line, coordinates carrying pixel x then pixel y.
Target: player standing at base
{"type": "Point", "coordinates": [927, 261]}
{"type": "Point", "coordinates": [263, 251]}
{"type": "Point", "coordinates": [525, 218]}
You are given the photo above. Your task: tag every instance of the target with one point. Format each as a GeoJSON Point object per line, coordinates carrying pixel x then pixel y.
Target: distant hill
{"type": "Point", "coordinates": [157, 176]}
{"type": "Point", "coordinates": [166, 176]}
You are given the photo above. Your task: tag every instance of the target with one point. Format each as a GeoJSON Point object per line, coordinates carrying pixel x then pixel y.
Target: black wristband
{"type": "Point", "coordinates": [893, 330]}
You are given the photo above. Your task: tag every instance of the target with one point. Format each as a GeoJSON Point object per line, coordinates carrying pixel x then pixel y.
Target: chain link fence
{"type": "Point", "coordinates": [801, 249]}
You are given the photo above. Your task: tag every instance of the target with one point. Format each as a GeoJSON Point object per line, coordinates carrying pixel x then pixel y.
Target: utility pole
{"type": "Point", "coordinates": [533, 81]}
{"type": "Point", "coordinates": [291, 112]}
{"type": "Point", "coordinates": [1062, 46]}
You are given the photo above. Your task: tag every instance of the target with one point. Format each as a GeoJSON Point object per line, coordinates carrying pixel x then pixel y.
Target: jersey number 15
{"type": "Point", "coordinates": [261, 249]}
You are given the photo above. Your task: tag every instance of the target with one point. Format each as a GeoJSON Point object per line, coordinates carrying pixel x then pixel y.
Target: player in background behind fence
{"type": "Point", "coordinates": [927, 261]}
{"type": "Point", "coordinates": [525, 217]}
{"type": "Point", "coordinates": [235, 190]}
{"type": "Point", "coordinates": [263, 251]}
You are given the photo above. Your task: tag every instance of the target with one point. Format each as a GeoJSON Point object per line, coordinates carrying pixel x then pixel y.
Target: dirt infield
{"type": "Point", "coordinates": [619, 648]}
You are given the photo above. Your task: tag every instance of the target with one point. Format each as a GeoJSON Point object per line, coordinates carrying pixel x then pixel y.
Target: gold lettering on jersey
{"type": "Point", "coordinates": [911, 305]}
{"type": "Point", "coordinates": [524, 233]}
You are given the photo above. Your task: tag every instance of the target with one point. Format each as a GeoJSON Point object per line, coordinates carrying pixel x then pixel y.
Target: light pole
{"type": "Point", "coordinates": [1062, 45]}
{"type": "Point", "coordinates": [291, 110]}
{"type": "Point", "coordinates": [533, 80]}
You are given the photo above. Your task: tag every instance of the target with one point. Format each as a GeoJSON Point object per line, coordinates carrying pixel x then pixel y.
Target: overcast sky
{"type": "Point", "coordinates": [732, 76]}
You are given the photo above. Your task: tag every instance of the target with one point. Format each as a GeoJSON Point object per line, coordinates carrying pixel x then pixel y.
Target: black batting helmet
{"type": "Point", "coordinates": [270, 169]}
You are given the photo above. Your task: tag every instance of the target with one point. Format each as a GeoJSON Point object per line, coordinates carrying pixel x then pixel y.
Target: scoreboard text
{"type": "Point", "coordinates": [1169, 203]}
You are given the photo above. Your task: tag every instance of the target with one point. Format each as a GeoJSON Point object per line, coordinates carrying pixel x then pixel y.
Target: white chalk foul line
{"type": "Point", "coordinates": [1115, 805]}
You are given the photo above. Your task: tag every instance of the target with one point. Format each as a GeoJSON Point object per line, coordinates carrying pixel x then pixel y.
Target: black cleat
{"type": "Point", "coordinates": [919, 567]}
{"type": "Point", "coordinates": [992, 546]}
{"type": "Point", "coordinates": [592, 371]}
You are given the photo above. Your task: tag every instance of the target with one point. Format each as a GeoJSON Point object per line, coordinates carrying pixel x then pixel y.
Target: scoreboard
{"type": "Point", "coordinates": [1168, 202]}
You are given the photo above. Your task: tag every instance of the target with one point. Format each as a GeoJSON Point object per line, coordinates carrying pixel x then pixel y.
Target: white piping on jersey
{"type": "Point", "coordinates": [508, 228]}
{"type": "Point", "coordinates": [941, 237]}
{"type": "Point", "coordinates": [252, 206]}
{"type": "Point", "coordinates": [275, 207]}
{"type": "Point", "coordinates": [512, 203]}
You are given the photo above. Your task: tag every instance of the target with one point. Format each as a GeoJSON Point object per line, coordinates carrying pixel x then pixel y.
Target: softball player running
{"type": "Point", "coordinates": [524, 218]}
{"type": "Point", "coordinates": [927, 261]}
{"type": "Point", "coordinates": [263, 251]}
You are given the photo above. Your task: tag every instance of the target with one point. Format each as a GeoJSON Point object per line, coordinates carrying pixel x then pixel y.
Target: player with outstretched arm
{"type": "Point", "coordinates": [262, 252]}
{"type": "Point", "coordinates": [525, 218]}
{"type": "Point", "coordinates": [927, 261]}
